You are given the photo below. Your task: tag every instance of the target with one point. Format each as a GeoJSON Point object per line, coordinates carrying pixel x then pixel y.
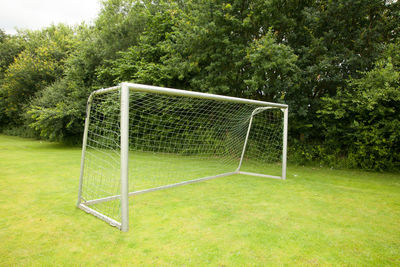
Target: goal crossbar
{"type": "Point", "coordinates": [178, 92]}
{"type": "Point", "coordinates": [124, 89]}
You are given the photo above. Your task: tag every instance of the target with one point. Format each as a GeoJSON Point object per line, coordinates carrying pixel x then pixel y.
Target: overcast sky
{"type": "Point", "coordinates": [36, 14]}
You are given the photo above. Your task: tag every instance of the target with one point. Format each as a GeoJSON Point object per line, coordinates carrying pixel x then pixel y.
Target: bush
{"type": "Point", "coordinates": [363, 120]}
{"type": "Point", "coordinates": [56, 115]}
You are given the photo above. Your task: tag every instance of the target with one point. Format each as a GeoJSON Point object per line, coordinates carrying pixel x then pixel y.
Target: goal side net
{"type": "Point", "coordinates": [162, 137]}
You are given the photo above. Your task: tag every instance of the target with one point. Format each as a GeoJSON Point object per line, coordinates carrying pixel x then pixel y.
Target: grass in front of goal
{"type": "Point", "coordinates": [316, 217]}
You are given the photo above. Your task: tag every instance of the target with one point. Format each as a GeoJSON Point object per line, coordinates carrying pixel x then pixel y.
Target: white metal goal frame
{"type": "Point", "coordinates": [124, 145]}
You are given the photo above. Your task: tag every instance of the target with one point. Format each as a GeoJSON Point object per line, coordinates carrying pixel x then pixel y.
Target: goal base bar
{"type": "Point", "coordinates": [110, 198]}
{"type": "Point", "coordinates": [112, 222]}
{"type": "Point", "coordinates": [181, 183]}
{"type": "Point", "coordinates": [260, 175]}
{"type": "Point", "coordinates": [103, 217]}
{"type": "Point", "coordinates": [96, 201]}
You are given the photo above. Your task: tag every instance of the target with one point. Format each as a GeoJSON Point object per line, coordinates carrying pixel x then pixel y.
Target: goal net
{"type": "Point", "coordinates": [141, 138]}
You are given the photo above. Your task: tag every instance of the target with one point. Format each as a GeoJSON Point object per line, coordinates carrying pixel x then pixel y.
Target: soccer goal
{"type": "Point", "coordinates": [141, 138]}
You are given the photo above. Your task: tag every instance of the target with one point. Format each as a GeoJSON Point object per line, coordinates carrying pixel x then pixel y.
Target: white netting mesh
{"type": "Point", "coordinates": [174, 139]}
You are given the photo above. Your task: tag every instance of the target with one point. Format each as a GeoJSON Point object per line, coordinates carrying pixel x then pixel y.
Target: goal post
{"type": "Point", "coordinates": [141, 138]}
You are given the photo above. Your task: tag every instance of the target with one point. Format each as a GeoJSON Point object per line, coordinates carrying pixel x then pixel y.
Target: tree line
{"type": "Point", "coordinates": [336, 63]}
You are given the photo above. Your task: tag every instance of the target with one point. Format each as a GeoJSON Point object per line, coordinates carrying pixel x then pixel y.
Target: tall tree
{"type": "Point", "coordinates": [10, 47]}
{"type": "Point", "coordinates": [362, 122]}
{"type": "Point", "coordinates": [334, 40]}
{"type": "Point", "coordinates": [57, 112]}
{"type": "Point", "coordinates": [35, 67]}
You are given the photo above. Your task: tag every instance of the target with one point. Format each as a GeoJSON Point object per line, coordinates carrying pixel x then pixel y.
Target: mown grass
{"type": "Point", "coordinates": [317, 216]}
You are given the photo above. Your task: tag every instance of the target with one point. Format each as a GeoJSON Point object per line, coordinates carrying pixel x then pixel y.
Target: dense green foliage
{"type": "Point", "coordinates": [334, 62]}
{"type": "Point", "coordinates": [364, 117]}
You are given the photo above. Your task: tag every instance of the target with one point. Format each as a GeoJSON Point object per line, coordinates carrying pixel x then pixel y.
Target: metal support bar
{"type": "Point", "coordinates": [176, 92]}
{"type": "Point", "coordinates": [255, 111]}
{"type": "Point", "coordinates": [84, 144]}
{"type": "Point", "coordinates": [284, 146]}
{"type": "Point", "coordinates": [100, 216]}
{"type": "Point", "coordinates": [259, 175]}
{"type": "Point", "coordinates": [181, 183]}
{"type": "Point", "coordinates": [245, 143]}
{"type": "Point", "coordinates": [124, 157]}
{"type": "Point", "coordinates": [100, 200]}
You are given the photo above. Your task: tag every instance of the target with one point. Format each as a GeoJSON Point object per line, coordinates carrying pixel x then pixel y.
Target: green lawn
{"type": "Point", "coordinates": [317, 216]}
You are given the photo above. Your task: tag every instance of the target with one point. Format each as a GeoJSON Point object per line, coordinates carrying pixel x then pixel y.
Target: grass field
{"type": "Point", "coordinates": [316, 217]}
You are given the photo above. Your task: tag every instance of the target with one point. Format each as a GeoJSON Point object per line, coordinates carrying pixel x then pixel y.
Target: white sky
{"type": "Point", "coordinates": [36, 14]}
